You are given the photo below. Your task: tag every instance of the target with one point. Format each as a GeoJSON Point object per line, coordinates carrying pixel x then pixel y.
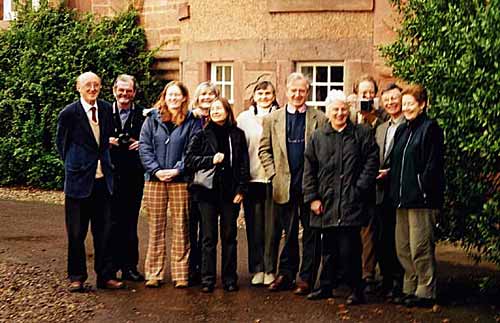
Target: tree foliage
{"type": "Point", "coordinates": [41, 55]}
{"type": "Point", "coordinates": [453, 49]}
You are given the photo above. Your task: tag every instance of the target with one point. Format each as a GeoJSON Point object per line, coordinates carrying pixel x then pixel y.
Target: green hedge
{"type": "Point", "coordinates": [453, 48]}
{"type": "Point", "coordinates": [41, 55]}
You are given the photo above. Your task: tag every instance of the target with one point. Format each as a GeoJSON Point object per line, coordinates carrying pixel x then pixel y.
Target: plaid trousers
{"type": "Point", "coordinates": [158, 198]}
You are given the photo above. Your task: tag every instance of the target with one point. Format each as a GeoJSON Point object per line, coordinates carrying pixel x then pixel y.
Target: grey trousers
{"type": "Point", "coordinates": [415, 246]}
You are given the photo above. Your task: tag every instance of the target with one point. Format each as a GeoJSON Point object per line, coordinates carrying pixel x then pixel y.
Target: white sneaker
{"type": "Point", "coordinates": [258, 278]}
{"type": "Point", "coordinates": [269, 278]}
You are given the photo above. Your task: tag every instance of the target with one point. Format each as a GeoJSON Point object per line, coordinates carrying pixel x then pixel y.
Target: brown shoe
{"type": "Point", "coordinates": [152, 283]}
{"type": "Point", "coordinates": [181, 284]}
{"type": "Point", "coordinates": [75, 286]}
{"type": "Point", "coordinates": [280, 283]}
{"type": "Point", "coordinates": [110, 284]}
{"type": "Point", "coordinates": [302, 288]}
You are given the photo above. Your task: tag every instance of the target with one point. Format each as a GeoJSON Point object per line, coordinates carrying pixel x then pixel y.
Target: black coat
{"type": "Point", "coordinates": [340, 170]}
{"type": "Point", "coordinates": [417, 165]}
{"type": "Point", "coordinates": [200, 155]}
{"type": "Point", "coordinates": [127, 162]}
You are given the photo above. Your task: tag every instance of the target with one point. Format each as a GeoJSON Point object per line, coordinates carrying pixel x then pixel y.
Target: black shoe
{"type": "Point", "coordinates": [356, 299]}
{"type": "Point", "coordinates": [416, 301]}
{"type": "Point", "coordinates": [132, 275]}
{"type": "Point", "coordinates": [400, 299]}
{"type": "Point", "coordinates": [320, 293]}
{"type": "Point", "coordinates": [207, 288]}
{"type": "Point", "coordinates": [231, 288]}
{"type": "Point", "coordinates": [370, 285]}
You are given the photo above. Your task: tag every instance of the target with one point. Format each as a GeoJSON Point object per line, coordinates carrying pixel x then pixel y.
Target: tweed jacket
{"type": "Point", "coordinates": [273, 153]}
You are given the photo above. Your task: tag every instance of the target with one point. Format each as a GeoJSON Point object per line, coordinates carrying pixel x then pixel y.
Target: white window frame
{"type": "Point", "coordinates": [10, 14]}
{"type": "Point", "coordinates": [314, 83]}
{"type": "Point", "coordinates": [222, 83]}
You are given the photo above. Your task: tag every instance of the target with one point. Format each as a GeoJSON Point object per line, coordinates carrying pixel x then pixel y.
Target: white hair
{"type": "Point", "coordinates": [334, 95]}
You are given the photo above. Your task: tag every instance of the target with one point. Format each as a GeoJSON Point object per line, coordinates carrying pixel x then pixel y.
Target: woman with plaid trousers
{"type": "Point", "coordinates": [164, 137]}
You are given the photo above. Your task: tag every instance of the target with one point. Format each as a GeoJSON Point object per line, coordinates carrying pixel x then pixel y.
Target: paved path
{"type": "Point", "coordinates": [32, 233]}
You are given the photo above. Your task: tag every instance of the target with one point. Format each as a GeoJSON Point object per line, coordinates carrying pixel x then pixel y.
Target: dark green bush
{"type": "Point", "coordinates": [41, 55]}
{"type": "Point", "coordinates": [453, 48]}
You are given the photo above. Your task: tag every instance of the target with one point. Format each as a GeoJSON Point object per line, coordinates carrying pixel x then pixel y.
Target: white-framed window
{"type": "Point", "coordinates": [9, 12]}
{"type": "Point", "coordinates": [221, 74]}
{"type": "Point", "coordinates": [324, 76]}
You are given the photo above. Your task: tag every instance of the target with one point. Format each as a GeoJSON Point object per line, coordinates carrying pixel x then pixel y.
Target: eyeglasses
{"type": "Point", "coordinates": [91, 85]}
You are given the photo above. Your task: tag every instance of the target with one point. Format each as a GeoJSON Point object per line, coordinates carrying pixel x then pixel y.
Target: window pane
{"type": "Point", "coordinates": [321, 74]}
{"type": "Point", "coordinates": [337, 73]}
{"type": "Point", "coordinates": [338, 87]}
{"type": "Point", "coordinates": [321, 93]}
{"type": "Point", "coordinates": [310, 95]}
{"type": "Point", "coordinates": [227, 92]}
{"type": "Point", "coordinates": [219, 88]}
{"type": "Point", "coordinates": [227, 73]}
{"type": "Point", "coordinates": [307, 71]}
{"type": "Point", "coordinates": [218, 73]}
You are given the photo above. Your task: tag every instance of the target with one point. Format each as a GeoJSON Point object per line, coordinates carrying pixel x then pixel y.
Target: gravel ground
{"type": "Point", "coordinates": [31, 194]}
{"type": "Point", "coordinates": [32, 294]}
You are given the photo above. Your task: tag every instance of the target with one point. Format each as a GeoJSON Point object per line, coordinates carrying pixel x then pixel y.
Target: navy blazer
{"type": "Point", "coordinates": [78, 148]}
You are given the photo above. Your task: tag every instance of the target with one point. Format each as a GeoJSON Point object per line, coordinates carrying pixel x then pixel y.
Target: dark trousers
{"type": "Point", "coordinates": [287, 216]}
{"type": "Point", "coordinates": [126, 203]}
{"type": "Point", "coordinates": [210, 212]}
{"type": "Point", "coordinates": [195, 239]}
{"type": "Point", "coordinates": [341, 251]}
{"type": "Point", "coordinates": [79, 212]}
{"type": "Point", "coordinates": [261, 228]}
{"type": "Point", "coordinates": [390, 268]}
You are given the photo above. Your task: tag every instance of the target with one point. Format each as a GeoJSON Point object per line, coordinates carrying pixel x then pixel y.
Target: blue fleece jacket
{"type": "Point", "coordinates": [161, 149]}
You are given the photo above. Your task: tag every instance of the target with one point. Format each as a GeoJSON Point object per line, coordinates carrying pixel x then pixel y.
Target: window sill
{"type": "Point", "coordinates": [276, 6]}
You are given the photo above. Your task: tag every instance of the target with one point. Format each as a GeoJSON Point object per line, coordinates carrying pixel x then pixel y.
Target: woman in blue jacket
{"type": "Point", "coordinates": [164, 137]}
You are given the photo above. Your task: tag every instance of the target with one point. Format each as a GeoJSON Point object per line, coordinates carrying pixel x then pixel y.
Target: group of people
{"type": "Point", "coordinates": [364, 180]}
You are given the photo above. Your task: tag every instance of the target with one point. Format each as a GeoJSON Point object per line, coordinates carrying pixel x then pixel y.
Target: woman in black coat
{"type": "Point", "coordinates": [220, 146]}
{"type": "Point", "coordinates": [417, 189]}
{"type": "Point", "coordinates": [340, 166]}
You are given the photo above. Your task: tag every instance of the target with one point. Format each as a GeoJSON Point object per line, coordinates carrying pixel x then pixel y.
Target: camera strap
{"type": "Point", "coordinates": [118, 121]}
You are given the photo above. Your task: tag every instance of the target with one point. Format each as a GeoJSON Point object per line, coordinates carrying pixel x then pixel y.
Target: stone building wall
{"type": "Point", "coordinates": [261, 39]}
{"type": "Point", "coordinates": [261, 43]}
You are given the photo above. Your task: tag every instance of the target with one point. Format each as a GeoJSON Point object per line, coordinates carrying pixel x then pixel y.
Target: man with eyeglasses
{"type": "Point", "coordinates": [82, 140]}
{"type": "Point", "coordinates": [128, 176]}
{"type": "Point", "coordinates": [284, 139]}
{"type": "Point", "coordinates": [390, 268]}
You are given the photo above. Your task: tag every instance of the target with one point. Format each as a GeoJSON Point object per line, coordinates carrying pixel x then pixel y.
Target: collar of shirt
{"type": "Point", "coordinates": [292, 110]}
{"type": "Point", "coordinates": [397, 121]}
{"type": "Point", "coordinates": [123, 111]}
{"type": "Point", "coordinates": [87, 107]}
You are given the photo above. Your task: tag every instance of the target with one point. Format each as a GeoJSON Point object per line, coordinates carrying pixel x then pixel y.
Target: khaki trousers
{"type": "Point", "coordinates": [158, 196]}
{"type": "Point", "coordinates": [415, 246]}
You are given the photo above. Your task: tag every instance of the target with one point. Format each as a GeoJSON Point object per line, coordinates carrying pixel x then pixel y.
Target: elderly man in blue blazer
{"type": "Point", "coordinates": [82, 140]}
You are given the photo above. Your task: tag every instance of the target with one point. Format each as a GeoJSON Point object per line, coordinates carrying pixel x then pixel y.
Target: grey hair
{"type": "Point", "coordinates": [125, 78]}
{"type": "Point", "coordinates": [297, 76]}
